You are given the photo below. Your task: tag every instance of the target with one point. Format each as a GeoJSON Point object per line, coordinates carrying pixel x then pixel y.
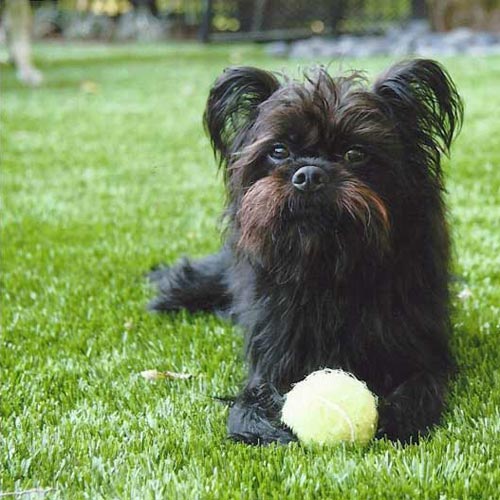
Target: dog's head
{"type": "Point", "coordinates": [329, 164]}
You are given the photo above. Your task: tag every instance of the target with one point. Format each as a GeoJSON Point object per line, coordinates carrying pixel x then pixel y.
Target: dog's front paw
{"type": "Point", "coordinates": [254, 418]}
{"type": "Point", "coordinates": [393, 425]}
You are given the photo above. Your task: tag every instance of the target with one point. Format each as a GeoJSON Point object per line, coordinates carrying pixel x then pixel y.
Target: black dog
{"type": "Point", "coordinates": [337, 248]}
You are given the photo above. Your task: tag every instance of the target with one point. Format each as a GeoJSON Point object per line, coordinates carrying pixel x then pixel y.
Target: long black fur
{"type": "Point", "coordinates": [353, 276]}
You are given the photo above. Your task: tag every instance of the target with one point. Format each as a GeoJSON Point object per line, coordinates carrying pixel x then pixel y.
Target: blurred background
{"type": "Point", "coordinates": [222, 19]}
{"type": "Point", "coordinates": [289, 28]}
{"type": "Point", "coordinates": [250, 19]}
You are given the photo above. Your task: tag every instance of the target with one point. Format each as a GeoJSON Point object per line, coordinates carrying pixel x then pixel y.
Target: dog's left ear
{"type": "Point", "coordinates": [422, 101]}
{"type": "Point", "coordinates": [232, 106]}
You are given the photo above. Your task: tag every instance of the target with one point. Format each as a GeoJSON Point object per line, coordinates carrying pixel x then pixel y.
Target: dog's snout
{"type": "Point", "coordinates": [309, 178]}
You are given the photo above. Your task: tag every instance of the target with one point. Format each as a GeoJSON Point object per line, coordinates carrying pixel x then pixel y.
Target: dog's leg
{"type": "Point", "coordinates": [18, 26]}
{"type": "Point", "coordinates": [254, 417]}
{"type": "Point", "coordinates": [198, 285]}
{"type": "Point", "coordinates": [412, 408]}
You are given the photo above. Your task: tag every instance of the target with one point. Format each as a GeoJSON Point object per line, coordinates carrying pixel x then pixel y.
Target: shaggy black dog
{"type": "Point", "coordinates": [337, 247]}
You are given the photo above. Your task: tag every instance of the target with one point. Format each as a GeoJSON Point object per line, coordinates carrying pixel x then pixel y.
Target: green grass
{"type": "Point", "coordinates": [102, 180]}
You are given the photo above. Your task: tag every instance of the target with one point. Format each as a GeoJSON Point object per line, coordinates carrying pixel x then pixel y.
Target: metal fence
{"type": "Point", "coordinates": [289, 19]}
{"type": "Point", "coordinates": [240, 19]}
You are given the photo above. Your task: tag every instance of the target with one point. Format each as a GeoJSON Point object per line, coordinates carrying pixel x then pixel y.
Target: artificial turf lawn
{"type": "Point", "coordinates": [105, 172]}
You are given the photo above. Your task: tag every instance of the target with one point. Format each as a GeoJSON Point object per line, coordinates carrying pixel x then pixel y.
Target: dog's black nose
{"type": "Point", "coordinates": [309, 178]}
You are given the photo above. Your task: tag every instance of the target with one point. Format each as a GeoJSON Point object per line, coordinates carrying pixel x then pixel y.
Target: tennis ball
{"type": "Point", "coordinates": [329, 407]}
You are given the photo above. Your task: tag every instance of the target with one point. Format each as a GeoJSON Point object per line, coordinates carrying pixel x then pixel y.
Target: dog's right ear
{"type": "Point", "coordinates": [232, 107]}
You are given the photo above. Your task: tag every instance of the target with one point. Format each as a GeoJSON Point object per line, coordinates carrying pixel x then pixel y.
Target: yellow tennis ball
{"type": "Point", "coordinates": [329, 407]}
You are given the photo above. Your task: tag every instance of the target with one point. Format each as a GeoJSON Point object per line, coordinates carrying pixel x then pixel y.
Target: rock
{"type": "Point", "coordinates": [85, 26]}
{"type": "Point", "coordinates": [140, 25]}
{"type": "Point", "coordinates": [46, 21]}
{"type": "Point", "coordinates": [369, 46]}
{"type": "Point", "coordinates": [277, 49]}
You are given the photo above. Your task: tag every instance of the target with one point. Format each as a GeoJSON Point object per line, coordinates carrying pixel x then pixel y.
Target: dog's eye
{"type": "Point", "coordinates": [354, 156]}
{"type": "Point", "coordinates": [279, 152]}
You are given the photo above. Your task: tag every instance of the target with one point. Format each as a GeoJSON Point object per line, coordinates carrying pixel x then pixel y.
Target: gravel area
{"type": "Point", "coordinates": [415, 38]}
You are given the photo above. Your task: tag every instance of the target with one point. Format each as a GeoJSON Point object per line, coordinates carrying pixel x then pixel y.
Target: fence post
{"type": "Point", "coordinates": [418, 9]}
{"type": "Point", "coordinates": [206, 22]}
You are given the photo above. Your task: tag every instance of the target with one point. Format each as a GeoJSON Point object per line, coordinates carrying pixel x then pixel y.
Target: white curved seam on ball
{"type": "Point", "coordinates": [343, 413]}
